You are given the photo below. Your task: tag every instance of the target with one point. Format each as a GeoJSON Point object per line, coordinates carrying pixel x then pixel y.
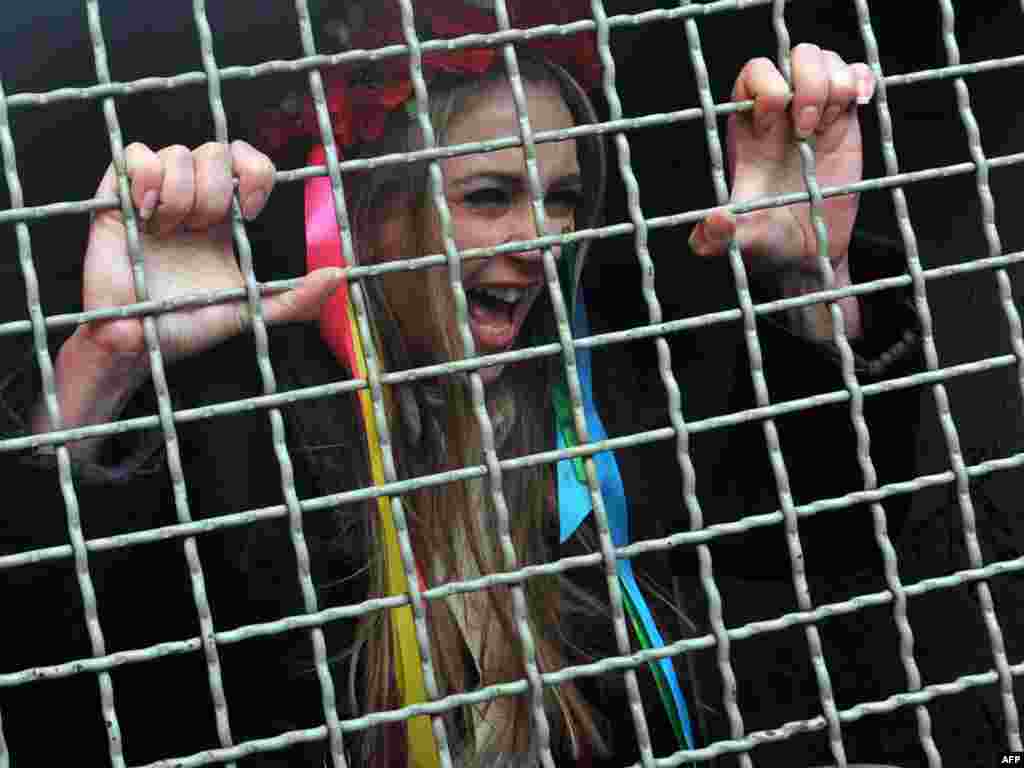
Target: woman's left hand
{"type": "Point", "coordinates": [765, 159]}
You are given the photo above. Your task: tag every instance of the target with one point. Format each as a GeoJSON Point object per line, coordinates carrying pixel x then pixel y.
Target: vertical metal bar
{"type": "Point", "coordinates": [947, 423]}
{"type": "Point", "coordinates": [890, 558]}
{"type": "Point", "coordinates": [778, 462]}
{"type": "Point", "coordinates": [66, 478]}
{"type": "Point", "coordinates": [575, 391]}
{"type": "Point", "coordinates": [5, 757]}
{"type": "Point", "coordinates": [259, 328]}
{"type": "Point", "coordinates": [982, 165]}
{"type": "Point", "coordinates": [995, 248]}
{"type": "Point", "coordinates": [539, 717]}
{"type": "Point", "coordinates": [654, 313]}
{"type": "Point", "coordinates": [159, 378]}
{"type": "Point", "coordinates": [359, 306]}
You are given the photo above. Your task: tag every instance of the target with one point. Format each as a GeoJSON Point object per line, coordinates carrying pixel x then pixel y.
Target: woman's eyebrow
{"type": "Point", "coordinates": [516, 180]}
{"type": "Point", "coordinates": [494, 177]}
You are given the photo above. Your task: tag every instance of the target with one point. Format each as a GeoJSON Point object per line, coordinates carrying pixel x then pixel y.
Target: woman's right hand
{"type": "Point", "coordinates": [184, 202]}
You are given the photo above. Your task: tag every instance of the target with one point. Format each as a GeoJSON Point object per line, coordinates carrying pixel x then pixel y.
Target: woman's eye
{"type": "Point", "coordinates": [567, 201]}
{"type": "Point", "coordinates": [487, 198]}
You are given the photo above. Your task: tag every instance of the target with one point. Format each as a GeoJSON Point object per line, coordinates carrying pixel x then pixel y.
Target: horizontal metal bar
{"type": "Point", "coordinates": [29, 100]}
{"type": "Point", "coordinates": [745, 632]}
{"type": "Point", "coordinates": [703, 535]}
{"type": "Point", "coordinates": [951, 72]}
{"type": "Point", "coordinates": [465, 473]}
{"type": "Point", "coordinates": [461, 366]}
{"type": "Point", "coordinates": [440, 260]}
{"type": "Point", "coordinates": [35, 213]}
{"type": "Point", "coordinates": [897, 701]}
{"type": "Point", "coordinates": [324, 61]}
{"type": "Point", "coordinates": [787, 730]}
{"type": "Point", "coordinates": [340, 613]}
{"type": "Point", "coordinates": [902, 488]}
{"type": "Point", "coordinates": [143, 308]}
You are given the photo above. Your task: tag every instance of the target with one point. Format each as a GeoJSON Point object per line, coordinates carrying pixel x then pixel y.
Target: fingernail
{"type": "Point", "coordinates": [865, 89]}
{"type": "Point", "coordinates": [806, 121]}
{"type": "Point", "coordinates": [148, 205]}
{"type": "Point", "coordinates": [845, 79]}
{"type": "Point", "coordinates": [254, 204]}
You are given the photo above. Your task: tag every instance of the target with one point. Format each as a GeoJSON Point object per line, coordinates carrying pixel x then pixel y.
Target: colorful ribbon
{"type": "Point", "coordinates": [574, 503]}
{"type": "Point", "coordinates": [339, 331]}
{"type": "Point", "coordinates": [337, 325]}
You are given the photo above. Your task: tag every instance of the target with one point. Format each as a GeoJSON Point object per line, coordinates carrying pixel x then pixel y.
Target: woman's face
{"type": "Point", "coordinates": [489, 198]}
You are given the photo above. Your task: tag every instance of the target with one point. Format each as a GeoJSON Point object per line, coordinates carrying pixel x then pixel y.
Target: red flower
{"type": "Point", "coordinates": [341, 108]}
{"type": "Point", "coordinates": [467, 60]}
{"type": "Point", "coordinates": [372, 104]}
{"type": "Point", "coordinates": [359, 111]}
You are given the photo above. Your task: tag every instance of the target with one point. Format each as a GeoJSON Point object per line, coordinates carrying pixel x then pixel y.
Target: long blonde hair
{"type": "Point", "coordinates": [435, 429]}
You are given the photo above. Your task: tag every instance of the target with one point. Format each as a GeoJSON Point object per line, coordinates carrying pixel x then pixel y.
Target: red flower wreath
{"type": "Point", "coordinates": [358, 109]}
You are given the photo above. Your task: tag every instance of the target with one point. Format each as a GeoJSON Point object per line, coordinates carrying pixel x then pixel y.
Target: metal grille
{"type": "Point", "coordinates": [687, 18]}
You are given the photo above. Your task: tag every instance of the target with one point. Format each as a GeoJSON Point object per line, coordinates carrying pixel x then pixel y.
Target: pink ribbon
{"type": "Point", "coordinates": [323, 249]}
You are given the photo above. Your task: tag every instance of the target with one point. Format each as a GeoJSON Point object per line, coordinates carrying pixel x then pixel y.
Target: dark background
{"type": "Point", "coordinates": [63, 150]}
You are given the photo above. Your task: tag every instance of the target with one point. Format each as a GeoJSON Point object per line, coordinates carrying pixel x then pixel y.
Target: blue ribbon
{"type": "Point", "coordinates": [574, 505]}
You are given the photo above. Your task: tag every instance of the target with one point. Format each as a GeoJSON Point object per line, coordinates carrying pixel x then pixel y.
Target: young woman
{"type": "Point", "coordinates": [184, 200]}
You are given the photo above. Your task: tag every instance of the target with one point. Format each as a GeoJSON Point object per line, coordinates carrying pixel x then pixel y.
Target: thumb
{"type": "Point", "coordinates": [711, 236]}
{"type": "Point", "coordinates": [302, 304]}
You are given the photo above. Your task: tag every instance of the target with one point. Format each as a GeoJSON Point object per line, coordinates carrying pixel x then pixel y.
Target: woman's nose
{"type": "Point", "coordinates": [524, 228]}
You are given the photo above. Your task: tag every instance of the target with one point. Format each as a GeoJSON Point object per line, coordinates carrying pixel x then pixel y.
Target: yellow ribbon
{"type": "Point", "coordinates": [422, 747]}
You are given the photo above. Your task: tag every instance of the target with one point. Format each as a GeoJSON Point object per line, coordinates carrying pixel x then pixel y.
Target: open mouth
{"type": "Point", "coordinates": [497, 314]}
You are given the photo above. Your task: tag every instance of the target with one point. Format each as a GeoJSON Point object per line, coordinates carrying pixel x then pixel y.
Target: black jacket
{"type": "Point", "coordinates": [145, 597]}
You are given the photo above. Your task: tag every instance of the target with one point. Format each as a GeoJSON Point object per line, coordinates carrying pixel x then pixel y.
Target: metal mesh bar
{"type": "Point", "coordinates": [598, 340]}
{"type": "Point", "coordinates": [679, 426]}
{"type": "Point", "coordinates": [753, 346]}
{"type": "Point", "coordinates": [259, 328]}
{"type": "Point", "coordinates": [563, 324]}
{"type": "Point", "coordinates": [29, 100]}
{"type": "Point", "coordinates": [195, 569]}
{"type": "Point", "coordinates": [860, 425]}
{"type": "Point", "coordinates": [360, 272]}
{"type": "Point", "coordinates": [492, 469]}
{"type": "Point", "coordinates": [31, 213]}
{"type": "Point", "coordinates": [744, 632]}
{"type": "Point", "coordinates": [539, 719]}
{"type": "Point", "coordinates": [787, 730]}
{"type": "Point", "coordinates": [709, 533]}
{"type": "Point", "coordinates": [983, 165]}
{"type": "Point", "coordinates": [373, 379]}
{"type": "Point", "coordinates": [312, 61]}
{"type": "Point", "coordinates": [947, 422]}
{"type": "Point", "coordinates": [65, 477]}
{"type": "Point", "coordinates": [635, 439]}
{"type": "Point", "coordinates": [1013, 321]}
{"type": "Point", "coordinates": [651, 545]}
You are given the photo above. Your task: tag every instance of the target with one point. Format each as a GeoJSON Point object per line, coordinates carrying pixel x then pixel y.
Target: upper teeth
{"type": "Point", "coordinates": [508, 295]}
